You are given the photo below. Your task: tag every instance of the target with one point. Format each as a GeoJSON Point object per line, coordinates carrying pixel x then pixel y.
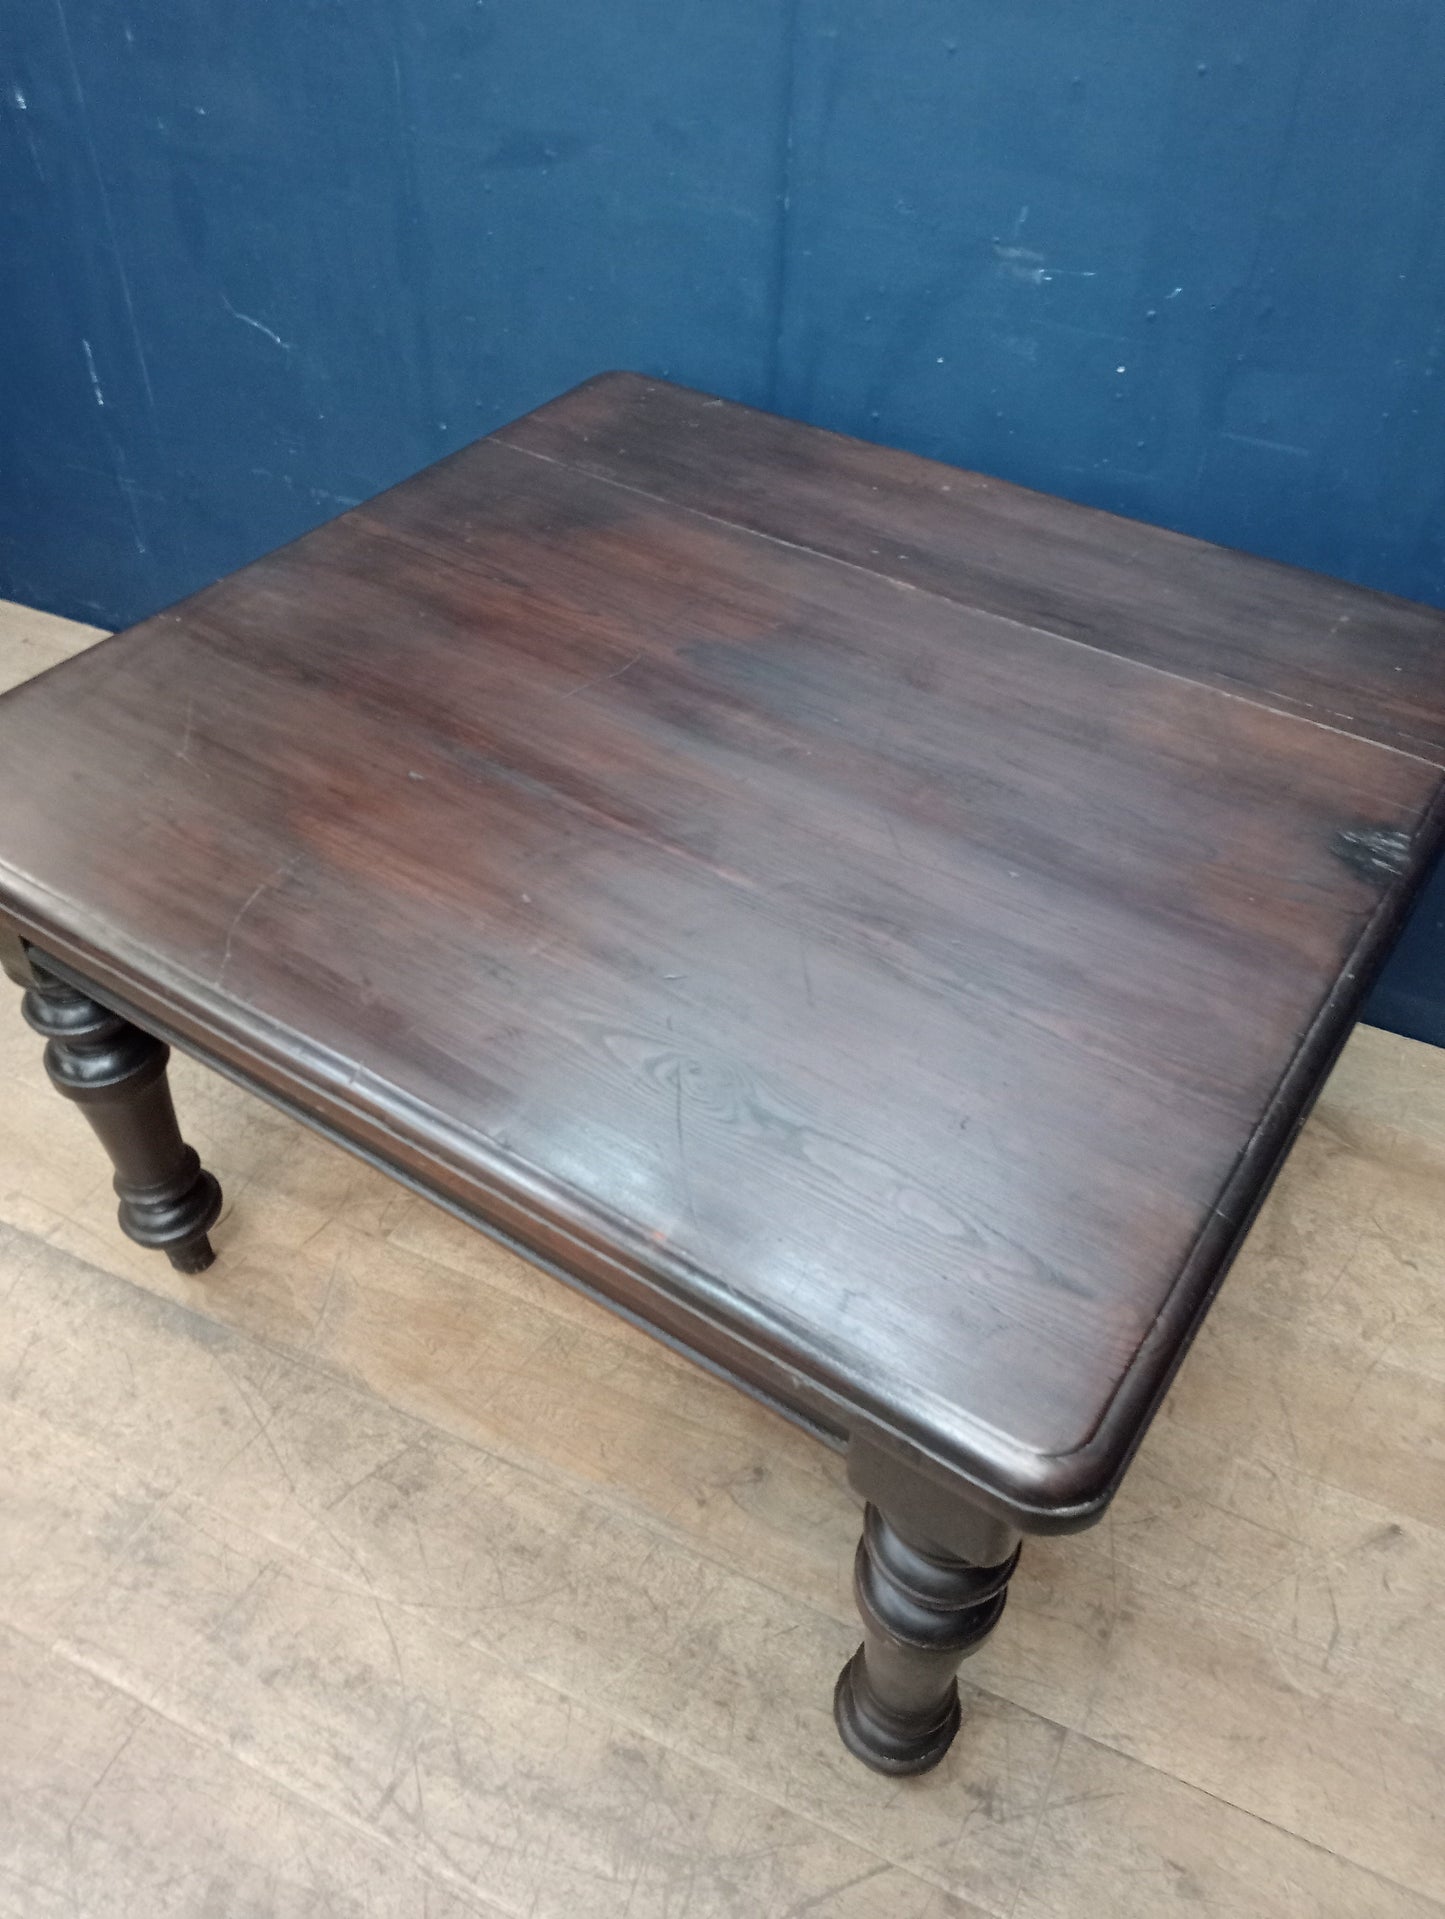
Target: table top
{"type": "Point", "coordinates": [902, 915]}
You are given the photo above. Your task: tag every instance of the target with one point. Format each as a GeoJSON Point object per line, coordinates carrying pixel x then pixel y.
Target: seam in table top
{"type": "Point", "coordinates": [1422, 751]}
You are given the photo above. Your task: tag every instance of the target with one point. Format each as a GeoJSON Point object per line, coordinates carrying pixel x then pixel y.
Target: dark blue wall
{"type": "Point", "coordinates": [1182, 258]}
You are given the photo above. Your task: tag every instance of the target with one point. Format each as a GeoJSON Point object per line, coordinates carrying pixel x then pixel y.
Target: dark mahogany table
{"type": "Point", "coordinates": [876, 927]}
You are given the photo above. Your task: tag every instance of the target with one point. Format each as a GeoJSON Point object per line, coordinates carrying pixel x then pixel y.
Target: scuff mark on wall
{"type": "Point", "coordinates": [1023, 263]}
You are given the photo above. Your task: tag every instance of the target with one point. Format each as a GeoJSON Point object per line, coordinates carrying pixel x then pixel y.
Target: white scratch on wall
{"type": "Point", "coordinates": [247, 320]}
{"type": "Point", "coordinates": [94, 376]}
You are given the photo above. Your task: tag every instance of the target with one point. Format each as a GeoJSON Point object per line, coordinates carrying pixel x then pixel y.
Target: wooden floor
{"type": "Point", "coordinates": [376, 1574]}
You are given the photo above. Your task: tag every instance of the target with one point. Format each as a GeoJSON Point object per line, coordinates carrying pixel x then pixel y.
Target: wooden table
{"type": "Point", "coordinates": [877, 928]}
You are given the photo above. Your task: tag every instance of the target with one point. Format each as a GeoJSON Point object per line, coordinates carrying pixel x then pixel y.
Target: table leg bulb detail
{"type": "Point", "coordinates": [116, 1074]}
{"type": "Point", "coordinates": [924, 1611]}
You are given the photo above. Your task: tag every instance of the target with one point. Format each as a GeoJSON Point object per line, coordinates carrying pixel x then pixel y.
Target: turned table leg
{"type": "Point", "coordinates": [116, 1074]}
{"type": "Point", "coordinates": [924, 1611]}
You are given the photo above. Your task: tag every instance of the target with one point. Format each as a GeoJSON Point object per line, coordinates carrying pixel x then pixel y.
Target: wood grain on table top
{"type": "Point", "coordinates": [924, 992]}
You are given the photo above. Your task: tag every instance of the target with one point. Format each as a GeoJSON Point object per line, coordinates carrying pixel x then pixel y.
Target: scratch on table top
{"type": "Point", "coordinates": [281, 874]}
{"type": "Point", "coordinates": [682, 1148]}
{"type": "Point", "coordinates": [602, 678]}
{"type": "Point", "coordinates": [183, 751]}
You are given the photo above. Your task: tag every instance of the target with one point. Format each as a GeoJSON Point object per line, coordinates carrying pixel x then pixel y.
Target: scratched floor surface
{"type": "Point", "coordinates": [376, 1574]}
